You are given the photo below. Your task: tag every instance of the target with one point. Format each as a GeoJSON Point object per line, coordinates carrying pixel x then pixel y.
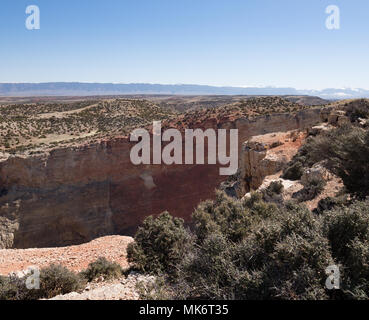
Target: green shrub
{"type": "Point", "coordinates": [311, 190]}
{"type": "Point", "coordinates": [159, 244]}
{"type": "Point", "coordinates": [224, 214]}
{"type": "Point", "coordinates": [297, 268]}
{"type": "Point", "coordinates": [14, 288]}
{"type": "Point", "coordinates": [282, 255]}
{"type": "Point", "coordinates": [357, 109]}
{"type": "Point", "coordinates": [255, 250]}
{"type": "Point", "coordinates": [208, 272]}
{"type": "Point", "coordinates": [56, 280]}
{"type": "Point", "coordinates": [348, 234]}
{"type": "Point", "coordinates": [346, 151]}
{"type": "Point", "coordinates": [276, 187]}
{"type": "Point", "coordinates": [344, 225]}
{"type": "Point", "coordinates": [102, 267]}
{"type": "Point", "coordinates": [294, 171]}
{"type": "Point", "coordinates": [273, 193]}
{"type": "Point", "coordinates": [330, 203]}
{"type": "Point", "coordinates": [158, 289]}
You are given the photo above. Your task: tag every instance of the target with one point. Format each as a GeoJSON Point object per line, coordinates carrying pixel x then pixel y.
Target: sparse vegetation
{"type": "Point", "coordinates": [28, 126]}
{"type": "Point", "coordinates": [313, 188]}
{"type": "Point", "coordinates": [294, 171]}
{"type": "Point", "coordinates": [357, 109]}
{"type": "Point", "coordinates": [54, 280]}
{"type": "Point", "coordinates": [346, 151]}
{"type": "Point", "coordinates": [102, 267]}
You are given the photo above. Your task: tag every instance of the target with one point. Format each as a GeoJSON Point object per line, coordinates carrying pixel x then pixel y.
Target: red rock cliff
{"type": "Point", "coordinates": [72, 195]}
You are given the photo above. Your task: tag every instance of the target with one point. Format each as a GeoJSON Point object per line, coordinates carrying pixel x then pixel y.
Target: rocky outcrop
{"type": "Point", "coordinates": [338, 118]}
{"type": "Point", "coordinates": [73, 195]}
{"type": "Point", "coordinates": [266, 155]}
{"type": "Point", "coordinates": [258, 164]}
{"type": "Point", "coordinates": [316, 130]}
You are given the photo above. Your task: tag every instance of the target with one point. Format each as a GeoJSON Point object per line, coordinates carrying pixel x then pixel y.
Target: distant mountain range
{"type": "Point", "coordinates": [88, 89]}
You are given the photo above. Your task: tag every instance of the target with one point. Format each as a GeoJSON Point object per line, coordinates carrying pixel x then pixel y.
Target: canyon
{"type": "Point", "coordinates": [72, 195]}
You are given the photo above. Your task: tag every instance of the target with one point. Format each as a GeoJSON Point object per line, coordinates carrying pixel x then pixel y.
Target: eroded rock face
{"type": "Point", "coordinates": [73, 195]}
{"type": "Point", "coordinates": [266, 155]}
{"type": "Point", "coordinates": [258, 164]}
{"type": "Point", "coordinates": [338, 118]}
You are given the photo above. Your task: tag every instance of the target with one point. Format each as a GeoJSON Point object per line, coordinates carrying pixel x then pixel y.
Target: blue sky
{"type": "Point", "coordinates": [217, 42]}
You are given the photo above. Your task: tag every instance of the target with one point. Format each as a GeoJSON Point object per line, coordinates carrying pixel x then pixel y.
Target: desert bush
{"type": "Point", "coordinates": [254, 250]}
{"type": "Point", "coordinates": [157, 289]}
{"type": "Point", "coordinates": [273, 193]}
{"type": "Point", "coordinates": [346, 151]}
{"type": "Point", "coordinates": [278, 256]}
{"type": "Point", "coordinates": [344, 225]}
{"type": "Point", "coordinates": [102, 267]}
{"type": "Point", "coordinates": [159, 244]}
{"type": "Point", "coordinates": [231, 217]}
{"type": "Point", "coordinates": [357, 109]}
{"type": "Point", "coordinates": [208, 272]}
{"type": "Point", "coordinates": [313, 187]}
{"type": "Point", "coordinates": [276, 187]}
{"type": "Point", "coordinates": [330, 203]}
{"type": "Point", "coordinates": [293, 171]}
{"type": "Point", "coordinates": [297, 267]}
{"type": "Point", "coordinates": [56, 280]}
{"type": "Point", "coordinates": [14, 288]}
{"type": "Point", "coordinates": [348, 233]}
{"type": "Point", "coordinates": [224, 214]}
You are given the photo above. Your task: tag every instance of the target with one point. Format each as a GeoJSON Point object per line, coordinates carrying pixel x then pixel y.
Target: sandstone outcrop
{"type": "Point", "coordinates": [338, 118]}
{"type": "Point", "coordinates": [266, 155]}
{"type": "Point", "coordinates": [75, 194]}
{"type": "Point", "coordinates": [315, 130]}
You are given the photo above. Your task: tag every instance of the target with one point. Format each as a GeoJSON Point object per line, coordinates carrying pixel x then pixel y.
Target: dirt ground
{"type": "Point", "coordinates": [74, 258]}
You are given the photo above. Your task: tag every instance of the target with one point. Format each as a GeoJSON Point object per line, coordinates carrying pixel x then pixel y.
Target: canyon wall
{"type": "Point", "coordinates": [73, 195]}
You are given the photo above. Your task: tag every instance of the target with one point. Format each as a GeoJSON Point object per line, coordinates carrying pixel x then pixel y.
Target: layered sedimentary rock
{"type": "Point", "coordinates": [72, 195]}
{"type": "Point", "coordinates": [265, 155]}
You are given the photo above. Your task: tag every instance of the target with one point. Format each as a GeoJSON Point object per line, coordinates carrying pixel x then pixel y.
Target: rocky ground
{"type": "Point", "coordinates": [75, 258]}
{"type": "Point", "coordinates": [117, 289]}
{"type": "Point", "coordinates": [268, 154]}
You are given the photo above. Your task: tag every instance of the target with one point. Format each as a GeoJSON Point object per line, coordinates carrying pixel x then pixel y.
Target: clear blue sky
{"type": "Point", "coordinates": [215, 42]}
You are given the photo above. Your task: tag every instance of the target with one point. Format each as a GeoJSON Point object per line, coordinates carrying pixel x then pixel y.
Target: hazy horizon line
{"type": "Point", "coordinates": [192, 84]}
